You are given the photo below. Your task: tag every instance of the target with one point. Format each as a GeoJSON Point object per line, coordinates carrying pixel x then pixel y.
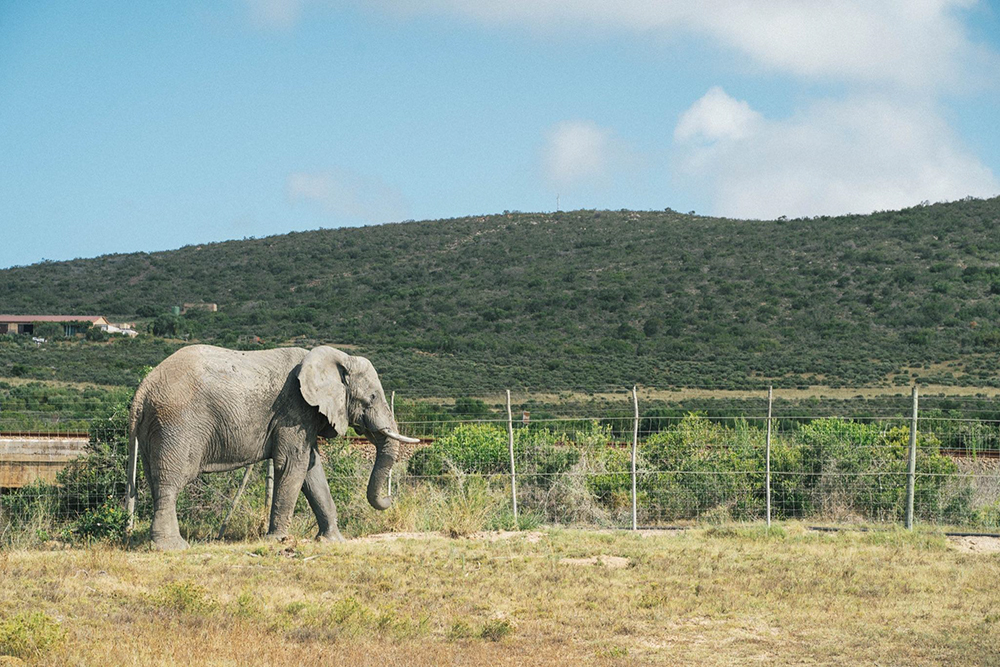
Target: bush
{"type": "Point", "coordinates": [837, 469]}
{"type": "Point", "coordinates": [107, 522]}
{"type": "Point", "coordinates": [702, 466]}
{"type": "Point", "coordinates": [29, 635]}
{"type": "Point", "coordinates": [29, 515]}
{"type": "Point", "coordinates": [484, 449]}
{"type": "Point", "coordinates": [90, 480]}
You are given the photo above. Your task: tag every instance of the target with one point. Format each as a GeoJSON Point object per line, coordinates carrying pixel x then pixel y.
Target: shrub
{"type": "Point", "coordinates": [185, 596]}
{"type": "Point", "coordinates": [107, 522]}
{"type": "Point", "coordinates": [702, 466]}
{"type": "Point", "coordinates": [470, 448]}
{"type": "Point", "coordinates": [29, 635]}
{"type": "Point", "coordinates": [484, 449]}
{"type": "Point", "coordinates": [29, 515]}
{"type": "Point", "coordinates": [496, 629]}
{"type": "Point", "coordinates": [859, 470]}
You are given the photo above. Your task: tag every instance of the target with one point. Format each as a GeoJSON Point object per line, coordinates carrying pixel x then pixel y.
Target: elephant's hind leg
{"type": "Point", "coordinates": [165, 532]}
{"type": "Point", "coordinates": [167, 477]}
{"type": "Point", "coordinates": [288, 479]}
{"type": "Point", "coordinates": [317, 492]}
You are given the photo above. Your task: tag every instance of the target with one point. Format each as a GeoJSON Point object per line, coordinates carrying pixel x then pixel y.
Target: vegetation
{"type": "Point", "coordinates": [37, 406]}
{"type": "Point", "coordinates": [692, 470]}
{"type": "Point", "coordinates": [790, 596]}
{"type": "Point", "coordinates": [579, 300]}
{"type": "Point", "coordinates": [29, 634]}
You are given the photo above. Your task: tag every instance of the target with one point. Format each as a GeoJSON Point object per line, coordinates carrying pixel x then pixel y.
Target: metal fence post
{"type": "Point", "coordinates": [911, 475]}
{"type": "Point", "coordinates": [510, 446]}
{"type": "Point", "coordinates": [635, 447]}
{"type": "Point", "coordinates": [767, 453]}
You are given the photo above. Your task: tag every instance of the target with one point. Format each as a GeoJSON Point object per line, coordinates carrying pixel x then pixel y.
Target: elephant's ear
{"type": "Point", "coordinates": [323, 378]}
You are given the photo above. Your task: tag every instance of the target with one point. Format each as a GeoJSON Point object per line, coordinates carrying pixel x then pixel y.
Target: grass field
{"type": "Point", "coordinates": [709, 596]}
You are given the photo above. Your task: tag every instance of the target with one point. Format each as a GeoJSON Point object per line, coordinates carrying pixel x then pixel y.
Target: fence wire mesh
{"type": "Point", "coordinates": [573, 461]}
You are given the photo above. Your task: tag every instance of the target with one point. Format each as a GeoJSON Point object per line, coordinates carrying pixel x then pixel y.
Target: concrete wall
{"type": "Point", "coordinates": [25, 458]}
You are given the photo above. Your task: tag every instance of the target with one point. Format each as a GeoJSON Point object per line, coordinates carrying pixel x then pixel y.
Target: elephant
{"type": "Point", "coordinates": [210, 409]}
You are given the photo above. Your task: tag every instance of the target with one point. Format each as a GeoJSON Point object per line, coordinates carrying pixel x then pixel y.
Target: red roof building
{"type": "Point", "coordinates": [25, 324]}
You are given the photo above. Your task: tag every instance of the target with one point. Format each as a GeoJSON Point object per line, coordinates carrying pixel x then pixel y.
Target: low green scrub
{"type": "Point", "coordinates": [185, 596]}
{"type": "Point", "coordinates": [484, 449]}
{"type": "Point", "coordinates": [829, 468]}
{"type": "Point", "coordinates": [29, 635]}
{"type": "Point", "coordinates": [694, 468]}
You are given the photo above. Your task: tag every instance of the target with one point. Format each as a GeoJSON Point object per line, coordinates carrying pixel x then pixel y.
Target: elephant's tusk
{"type": "Point", "coordinates": [388, 432]}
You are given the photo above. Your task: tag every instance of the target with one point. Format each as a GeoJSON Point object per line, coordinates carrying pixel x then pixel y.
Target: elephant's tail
{"type": "Point", "coordinates": [132, 491]}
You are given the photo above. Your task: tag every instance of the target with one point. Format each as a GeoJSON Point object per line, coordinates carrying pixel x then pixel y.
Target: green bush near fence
{"type": "Point", "coordinates": [540, 456]}
{"type": "Point", "coordinates": [695, 468]}
{"type": "Point", "coordinates": [831, 468]}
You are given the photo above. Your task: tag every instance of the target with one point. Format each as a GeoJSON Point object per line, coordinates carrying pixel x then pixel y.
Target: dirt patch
{"type": "Point", "coordinates": [610, 562]}
{"type": "Point", "coordinates": [488, 536]}
{"type": "Point", "coordinates": [642, 532]}
{"type": "Point", "coordinates": [976, 545]}
{"type": "Point", "coordinates": [532, 536]}
{"type": "Point", "coordinates": [392, 537]}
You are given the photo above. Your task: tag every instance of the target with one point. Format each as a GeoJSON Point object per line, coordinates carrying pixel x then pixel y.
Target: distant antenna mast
{"type": "Point", "coordinates": [557, 202]}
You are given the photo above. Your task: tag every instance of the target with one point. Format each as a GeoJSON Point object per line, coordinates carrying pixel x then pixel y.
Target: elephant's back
{"type": "Point", "coordinates": [207, 361]}
{"type": "Point", "coordinates": [205, 377]}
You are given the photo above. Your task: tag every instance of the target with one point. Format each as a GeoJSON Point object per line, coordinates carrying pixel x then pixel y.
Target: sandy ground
{"type": "Point", "coordinates": [489, 536]}
{"type": "Point", "coordinates": [976, 545]}
{"type": "Point", "coordinates": [531, 536]}
{"type": "Point", "coordinates": [981, 545]}
{"type": "Point", "coordinates": [610, 562]}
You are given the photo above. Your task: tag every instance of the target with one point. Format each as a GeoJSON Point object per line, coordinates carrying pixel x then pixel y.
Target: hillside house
{"type": "Point", "coordinates": [72, 324]}
{"type": "Point", "coordinates": [124, 328]}
{"type": "Point", "coordinates": [207, 307]}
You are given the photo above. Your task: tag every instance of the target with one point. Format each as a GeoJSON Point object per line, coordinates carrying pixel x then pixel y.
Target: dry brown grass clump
{"type": "Point", "coordinates": [726, 595]}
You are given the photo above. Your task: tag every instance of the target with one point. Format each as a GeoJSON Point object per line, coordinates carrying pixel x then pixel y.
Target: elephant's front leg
{"type": "Point", "coordinates": [317, 492]}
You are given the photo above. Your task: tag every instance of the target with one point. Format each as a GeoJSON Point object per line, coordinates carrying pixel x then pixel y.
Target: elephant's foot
{"type": "Point", "coordinates": [170, 543]}
{"type": "Point", "coordinates": [277, 536]}
{"type": "Point", "coordinates": [330, 536]}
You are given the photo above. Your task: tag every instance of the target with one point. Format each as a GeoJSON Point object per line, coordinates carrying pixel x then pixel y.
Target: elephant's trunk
{"type": "Point", "coordinates": [387, 451]}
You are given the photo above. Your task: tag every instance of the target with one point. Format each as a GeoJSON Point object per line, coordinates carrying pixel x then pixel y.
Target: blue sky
{"type": "Point", "coordinates": [131, 126]}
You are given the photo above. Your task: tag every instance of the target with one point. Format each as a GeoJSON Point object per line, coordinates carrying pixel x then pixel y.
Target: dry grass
{"type": "Point", "coordinates": [726, 595]}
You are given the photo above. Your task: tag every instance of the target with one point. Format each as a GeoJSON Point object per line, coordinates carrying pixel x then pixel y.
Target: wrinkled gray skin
{"type": "Point", "coordinates": [208, 409]}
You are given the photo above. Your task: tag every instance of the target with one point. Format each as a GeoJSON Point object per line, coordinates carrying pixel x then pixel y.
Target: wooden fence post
{"type": "Point", "coordinates": [635, 448]}
{"type": "Point", "coordinates": [911, 475]}
{"type": "Point", "coordinates": [510, 446]}
{"type": "Point", "coordinates": [767, 453]}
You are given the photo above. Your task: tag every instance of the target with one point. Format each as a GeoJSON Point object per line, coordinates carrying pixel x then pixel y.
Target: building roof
{"type": "Point", "coordinates": [27, 319]}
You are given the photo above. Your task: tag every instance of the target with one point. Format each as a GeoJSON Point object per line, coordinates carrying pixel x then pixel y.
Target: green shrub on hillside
{"type": "Point", "coordinates": [577, 299]}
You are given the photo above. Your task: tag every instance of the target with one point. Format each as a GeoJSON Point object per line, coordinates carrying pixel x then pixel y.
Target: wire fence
{"type": "Point", "coordinates": [622, 462]}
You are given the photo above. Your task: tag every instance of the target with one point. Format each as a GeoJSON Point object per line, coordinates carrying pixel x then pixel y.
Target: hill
{"type": "Point", "coordinates": [581, 300]}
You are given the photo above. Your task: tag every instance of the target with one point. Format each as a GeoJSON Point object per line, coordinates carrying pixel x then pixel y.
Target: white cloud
{"type": "Point", "coordinates": [276, 14]}
{"type": "Point", "coordinates": [345, 193]}
{"type": "Point", "coordinates": [578, 152]}
{"type": "Point", "coordinates": [907, 43]}
{"type": "Point", "coordinates": [717, 116]}
{"type": "Point", "coordinates": [855, 155]}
